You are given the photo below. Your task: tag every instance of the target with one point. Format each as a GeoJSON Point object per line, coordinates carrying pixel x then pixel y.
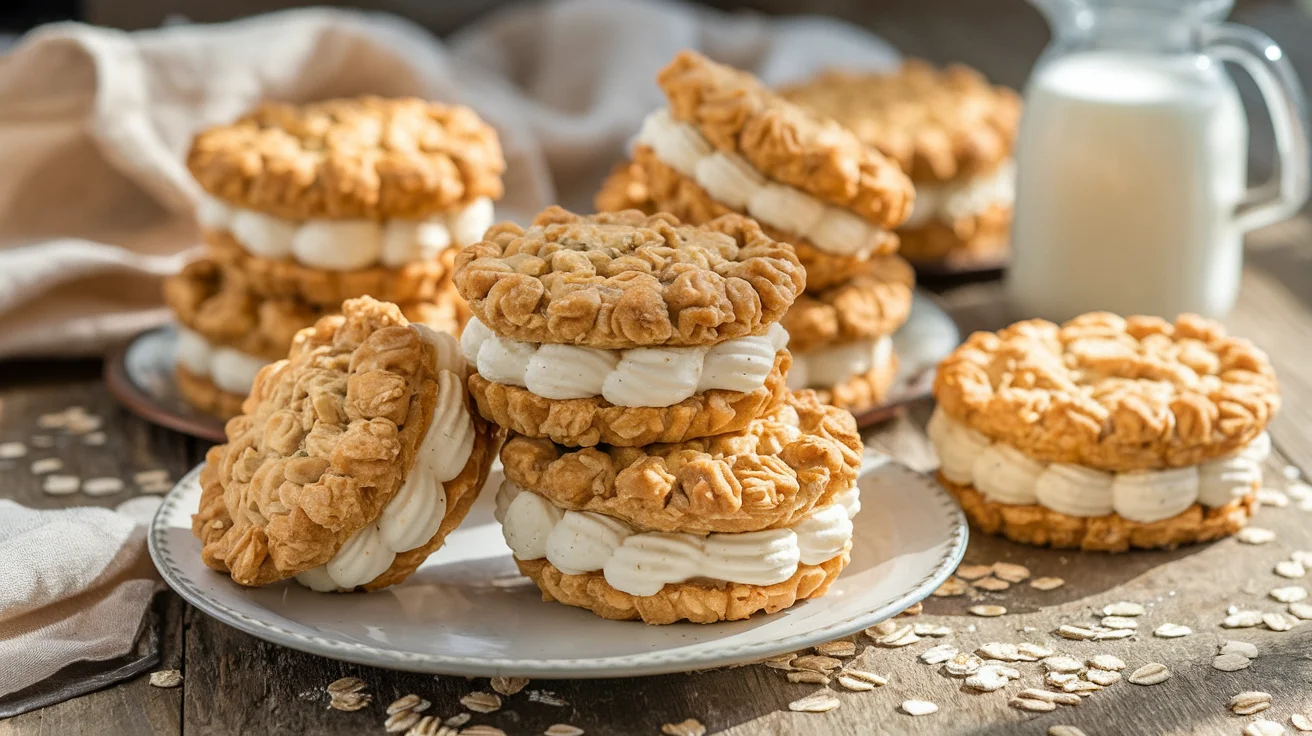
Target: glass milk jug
{"type": "Point", "coordinates": [1132, 160]}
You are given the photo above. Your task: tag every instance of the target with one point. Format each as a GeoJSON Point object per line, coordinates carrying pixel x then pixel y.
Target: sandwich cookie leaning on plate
{"type": "Point", "coordinates": [354, 457]}
{"type": "Point", "coordinates": [1105, 433]}
{"type": "Point", "coordinates": [341, 198]}
{"type": "Point", "coordinates": [712, 529]}
{"type": "Point", "coordinates": [953, 133]}
{"type": "Point", "coordinates": [627, 329]}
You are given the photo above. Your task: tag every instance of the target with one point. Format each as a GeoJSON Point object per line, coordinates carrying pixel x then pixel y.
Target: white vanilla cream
{"type": "Point", "coordinates": [641, 563]}
{"type": "Point", "coordinates": [949, 202]}
{"type": "Point", "coordinates": [347, 245]}
{"type": "Point", "coordinates": [834, 364]}
{"type": "Point", "coordinates": [228, 368]}
{"type": "Point", "coordinates": [734, 182]}
{"type": "Point", "coordinates": [635, 377]}
{"type": "Point", "coordinates": [412, 518]}
{"type": "Point", "coordinates": [1006, 475]}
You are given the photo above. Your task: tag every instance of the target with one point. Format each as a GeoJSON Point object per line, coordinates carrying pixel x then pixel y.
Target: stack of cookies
{"type": "Point", "coordinates": [726, 144]}
{"type": "Point", "coordinates": [307, 206]}
{"type": "Point", "coordinates": [355, 458]}
{"type": "Point", "coordinates": [1105, 433]}
{"type": "Point", "coordinates": [953, 133]}
{"type": "Point", "coordinates": [657, 467]}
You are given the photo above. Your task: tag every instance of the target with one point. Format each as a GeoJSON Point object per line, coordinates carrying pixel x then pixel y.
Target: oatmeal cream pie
{"type": "Point", "coordinates": [727, 144]}
{"type": "Point", "coordinates": [1105, 433]}
{"type": "Point", "coordinates": [355, 457]}
{"type": "Point", "coordinates": [953, 133]}
{"type": "Point", "coordinates": [842, 342]}
{"type": "Point", "coordinates": [226, 333]}
{"type": "Point", "coordinates": [340, 198]}
{"type": "Point", "coordinates": [626, 329]}
{"type": "Point", "coordinates": [712, 529]}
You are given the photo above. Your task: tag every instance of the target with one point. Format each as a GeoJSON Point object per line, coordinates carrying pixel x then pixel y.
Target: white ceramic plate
{"type": "Point", "coordinates": [467, 611]}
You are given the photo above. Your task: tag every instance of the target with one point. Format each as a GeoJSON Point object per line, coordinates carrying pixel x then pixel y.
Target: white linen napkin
{"type": "Point", "coordinates": [96, 204]}
{"type": "Point", "coordinates": [74, 584]}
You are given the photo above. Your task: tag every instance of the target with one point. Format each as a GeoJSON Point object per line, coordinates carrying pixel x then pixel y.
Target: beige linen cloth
{"type": "Point", "coordinates": [96, 204]}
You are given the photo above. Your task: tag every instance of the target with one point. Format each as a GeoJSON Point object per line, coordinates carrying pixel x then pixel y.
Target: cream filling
{"type": "Point", "coordinates": [949, 202]}
{"type": "Point", "coordinates": [1006, 475]}
{"type": "Point", "coordinates": [635, 377]}
{"type": "Point", "coordinates": [832, 365]}
{"type": "Point", "coordinates": [641, 563]}
{"type": "Point", "coordinates": [731, 180]}
{"type": "Point", "coordinates": [228, 368]}
{"type": "Point", "coordinates": [346, 245]}
{"type": "Point", "coordinates": [414, 515]}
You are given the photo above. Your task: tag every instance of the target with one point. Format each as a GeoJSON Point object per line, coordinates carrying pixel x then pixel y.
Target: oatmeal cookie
{"type": "Point", "coordinates": [768, 475]}
{"type": "Point", "coordinates": [590, 421]}
{"type": "Point", "coordinates": [1043, 527]}
{"type": "Point", "coordinates": [328, 438]}
{"type": "Point", "coordinates": [208, 301]}
{"type": "Point", "coordinates": [283, 277]}
{"type": "Point", "coordinates": [667, 190]}
{"type": "Point", "coordinates": [783, 141]}
{"type": "Point", "coordinates": [623, 280]}
{"type": "Point", "coordinates": [938, 125]}
{"type": "Point", "coordinates": [698, 602]}
{"type": "Point", "coordinates": [1110, 393]}
{"type": "Point", "coordinates": [202, 393]}
{"type": "Point", "coordinates": [365, 157]}
{"type": "Point", "coordinates": [981, 240]}
{"type": "Point", "coordinates": [873, 302]}
{"type": "Point", "coordinates": [864, 392]}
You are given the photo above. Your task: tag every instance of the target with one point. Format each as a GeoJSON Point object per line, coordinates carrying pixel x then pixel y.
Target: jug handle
{"type": "Point", "coordinates": [1265, 62]}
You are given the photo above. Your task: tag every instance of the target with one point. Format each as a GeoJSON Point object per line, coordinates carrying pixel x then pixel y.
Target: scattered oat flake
{"type": "Point", "coordinates": [1047, 583]}
{"type": "Point", "coordinates": [1289, 594]}
{"type": "Point", "coordinates": [1291, 472]}
{"type": "Point", "coordinates": [992, 584]}
{"type": "Point", "coordinates": [481, 702]}
{"type": "Point", "coordinates": [1033, 705]}
{"type": "Point", "coordinates": [102, 486]}
{"type": "Point", "coordinates": [562, 729]}
{"type": "Point", "coordinates": [43, 441]}
{"type": "Point", "coordinates": [1081, 687]}
{"type": "Point", "coordinates": [932, 630]}
{"type": "Point", "coordinates": [821, 702]}
{"type": "Point", "coordinates": [12, 450]}
{"type": "Point", "coordinates": [918, 707]}
{"type": "Point", "coordinates": [988, 679]}
{"type": "Point", "coordinates": [1061, 698]}
{"type": "Point", "coordinates": [840, 648]}
{"type": "Point", "coordinates": [1032, 652]}
{"type": "Point", "coordinates": [546, 697]}
{"type": "Point", "coordinates": [1172, 631]}
{"type": "Point", "coordinates": [1059, 679]}
{"type": "Point", "coordinates": [1078, 633]}
{"type": "Point", "coordinates": [1064, 730]}
{"type": "Point", "coordinates": [881, 629]}
{"type": "Point", "coordinates": [1152, 673]}
{"type": "Point", "coordinates": [1239, 647]}
{"type": "Point", "coordinates": [1249, 702]}
{"type": "Point", "coordinates": [1301, 611]}
{"type": "Point", "coordinates": [401, 721]}
{"type": "Point", "coordinates": [1107, 662]}
{"type": "Point", "coordinates": [1302, 556]}
{"type": "Point", "coordinates": [94, 439]}
{"type": "Point", "coordinates": [809, 677]}
{"type": "Point", "coordinates": [1272, 497]}
{"type": "Point", "coordinates": [688, 727]}
{"type": "Point", "coordinates": [1301, 722]}
{"type": "Point", "coordinates": [864, 676]}
{"type": "Point", "coordinates": [974, 572]}
{"type": "Point", "coordinates": [1123, 608]}
{"type": "Point", "coordinates": [1118, 622]}
{"type": "Point", "coordinates": [915, 609]}
{"type": "Point", "coordinates": [61, 485]}
{"type": "Point", "coordinates": [816, 663]}
{"type": "Point", "coordinates": [938, 654]}
{"type": "Point", "coordinates": [854, 684]}
{"type": "Point", "coordinates": [46, 465]}
{"type": "Point", "coordinates": [999, 650]}
{"type": "Point", "coordinates": [1255, 535]}
{"type": "Point", "coordinates": [1242, 620]}
{"type": "Point", "coordinates": [780, 662]}
{"type": "Point", "coordinates": [987, 611]}
{"type": "Point", "coordinates": [1104, 634]}
{"type": "Point", "coordinates": [458, 720]}
{"type": "Point", "coordinates": [1263, 727]}
{"type": "Point", "coordinates": [1010, 572]}
{"type": "Point", "coordinates": [1062, 664]}
{"type": "Point", "coordinates": [1277, 622]}
{"type": "Point", "coordinates": [166, 678]}
{"type": "Point", "coordinates": [1106, 678]}
{"type": "Point", "coordinates": [350, 702]}
{"type": "Point", "coordinates": [1290, 569]}
{"type": "Point", "coordinates": [158, 475]}
{"type": "Point", "coordinates": [963, 665]}
{"type": "Point", "coordinates": [951, 587]}
{"type": "Point", "coordinates": [427, 726]}
{"type": "Point", "coordinates": [53, 420]}
{"type": "Point", "coordinates": [1231, 662]}
{"type": "Point", "coordinates": [408, 702]}
{"type": "Point", "coordinates": [346, 685]}
{"type": "Point", "coordinates": [482, 730]}
{"type": "Point", "coordinates": [900, 637]}
{"type": "Point", "coordinates": [509, 685]}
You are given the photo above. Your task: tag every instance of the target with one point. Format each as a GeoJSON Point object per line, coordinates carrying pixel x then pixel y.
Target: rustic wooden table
{"type": "Point", "coordinates": [236, 684]}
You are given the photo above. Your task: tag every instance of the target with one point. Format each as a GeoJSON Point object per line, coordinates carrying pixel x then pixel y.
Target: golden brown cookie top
{"type": "Point", "coordinates": [626, 280]}
{"type": "Point", "coordinates": [938, 124]}
{"type": "Point", "coordinates": [363, 157]}
{"type": "Point", "coordinates": [768, 475]}
{"type": "Point", "coordinates": [325, 441]}
{"type": "Point", "coordinates": [783, 141]}
{"type": "Point", "coordinates": [872, 303]}
{"type": "Point", "coordinates": [1112, 393]}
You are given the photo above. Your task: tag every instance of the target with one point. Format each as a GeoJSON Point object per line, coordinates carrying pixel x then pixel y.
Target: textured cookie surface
{"type": "Point", "coordinates": [937, 124]}
{"type": "Point", "coordinates": [863, 392]}
{"type": "Point", "coordinates": [768, 475]}
{"type": "Point", "coordinates": [783, 141]}
{"type": "Point", "coordinates": [874, 301]}
{"type": "Point", "coordinates": [366, 157]}
{"type": "Point", "coordinates": [1043, 527]}
{"type": "Point", "coordinates": [623, 280]}
{"type": "Point", "coordinates": [203, 394]}
{"type": "Point", "coordinates": [1111, 393]}
{"type": "Point", "coordinates": [325, 441]}
{"type": "Point", "coordinates": [701, 603]}
{"type": "Point", "coordinates": [981, 240]}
